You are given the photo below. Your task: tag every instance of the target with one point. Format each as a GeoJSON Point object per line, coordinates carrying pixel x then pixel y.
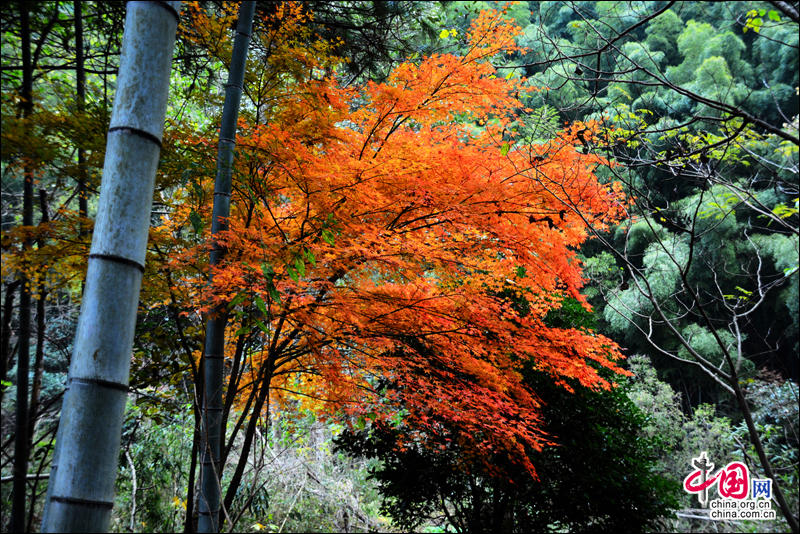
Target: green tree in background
{"type": "Point", "coordinates": [706, 142]}
{"type": "Point", "coordinates": [595, 474]}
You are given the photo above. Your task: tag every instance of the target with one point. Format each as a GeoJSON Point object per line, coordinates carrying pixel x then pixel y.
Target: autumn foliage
{"type": "Point", "coordinates": [377, 233]}
{"type": "Point", "coordinates": [374, 228]}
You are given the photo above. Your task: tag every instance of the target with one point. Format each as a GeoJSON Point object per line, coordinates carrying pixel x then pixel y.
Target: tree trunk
{"type": "Point", "coordinates": [755, 439]}
{"type": "Point", "coordinates": [214, 357]}
{"type": "Point", "coordinates": [191, 491]}
{"type": "Point", "coordinates": [41, 325]}
{"type": "Point", "coordinates": [81, 488]}
{"type": "Point", "coordinates": [80, 79]}
{"type": "Point", "coordinates": [23, 354]}
{"type": "Point", "coordinates": [5, 337]}
{"type": "Point", "coordinates": [192, 488]}
{"type": "Point", "coordinates": [255, 415]}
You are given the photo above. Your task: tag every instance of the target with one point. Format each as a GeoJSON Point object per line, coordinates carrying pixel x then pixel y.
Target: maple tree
{"type": "Point", "coordinates": [367, 221]}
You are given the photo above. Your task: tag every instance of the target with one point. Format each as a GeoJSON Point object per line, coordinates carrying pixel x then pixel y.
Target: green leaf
{"type": "Point", "coordinates": [241, 331]}
{"type": "Point", "coordinates": [292, 272]}
{"type": "Point", "coordinates": [197, 222]}
{"type": "Point", "coordinates": [261, 326]}
{"type": "Point", "coordinates": [746, 292]}
{"type": "Point", "coordinates": [273, 293]}
{"type": "Point", "coordinates": [198, 189]}
{"type": "Point", "coordinates": [327, 236]}
{"type": "Point", "coordinates": [269, 272]}
{"type": "Point", "coordinates": [236, 300]}
{"type": "Point", "coordinates": [773, 15]}
{"type": "Point", "coordinates": [261, 305]}
{"type": "Point", "coordinates": [300, 266]}
{"type": "Point", "coordinates": [311, 259]}
{"type": "Point", "coordinates": [504, 149]}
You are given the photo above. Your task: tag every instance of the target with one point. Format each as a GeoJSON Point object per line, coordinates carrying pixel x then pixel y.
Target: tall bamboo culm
{"type": "Point", "coordinates": [80, 492]}
{"type": "Point", "coordinates": [213, 357]}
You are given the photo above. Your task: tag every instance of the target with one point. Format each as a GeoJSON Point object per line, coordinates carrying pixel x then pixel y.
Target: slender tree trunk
{"type": "Point", "coordinates": [230, 397]}
{"type": "Point", "coordinates": [192, 490]}
{"type": "Point", "coordinates": [787, 511]}
{"type": "Point", "coordinates": [188, 525]}
{"type": "Point", "coordinates": [5, 337]}
{"type": "Point", "coordinates": [255, 415]}
{"type": "Point", "coordinates": [36, 494]}
{"type": "Point", "coordinates": [80, 78]}
{"type": "Point", "coordinates": [23, 354]}
{"type": "Point", "coordinates": [81, 487]}
{"type": "Point", "coordinates": [214, 357]}
{"type": "Point", "coordinates": [23, 369]}
{"type": "Point", "coordinates": [38, 365]}
{"type": "Point", "coordinates": [41, 325]}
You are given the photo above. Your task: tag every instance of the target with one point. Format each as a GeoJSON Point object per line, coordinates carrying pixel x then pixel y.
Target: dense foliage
{"type": "Point", "coordinates": [598, 467]}
{"type": "Point", "coordinates": [428, 198]}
